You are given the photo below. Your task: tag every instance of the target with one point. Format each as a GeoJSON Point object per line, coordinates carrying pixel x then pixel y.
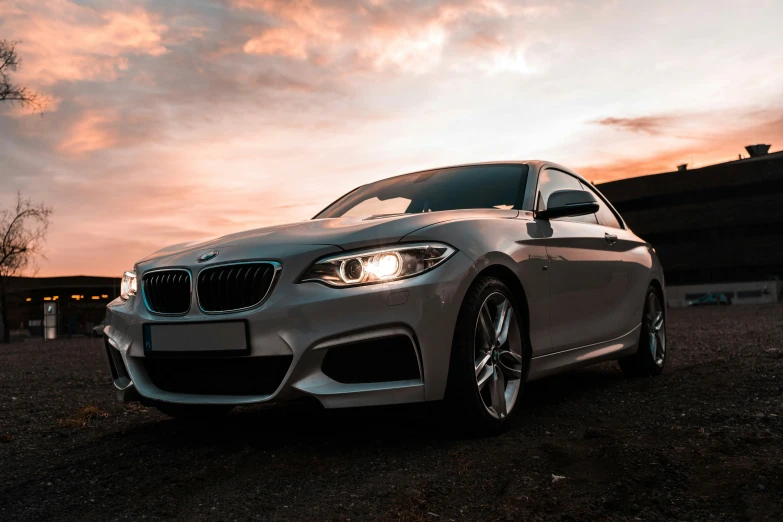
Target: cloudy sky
{"type": "Point", "coordinates": [171, 121]}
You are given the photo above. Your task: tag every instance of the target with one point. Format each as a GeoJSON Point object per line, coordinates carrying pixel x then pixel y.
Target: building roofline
{"type": "Point", "coordinates": [772, 155]}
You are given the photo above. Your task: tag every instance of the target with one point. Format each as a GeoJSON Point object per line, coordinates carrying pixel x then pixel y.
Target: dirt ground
{"type": "Point", "coordinates": [703, 441]}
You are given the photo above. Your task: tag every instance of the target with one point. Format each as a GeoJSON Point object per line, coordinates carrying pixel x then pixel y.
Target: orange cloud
{"type": "Point", "coordinates": [388, 35]}
{"type": "Point", "coordinates": [280, 41]}
{"type": "Point", "coordinates": [663, 161]}
{"type": "Point", "coordinates": [484, 41]}
{"type": "Point", "coordinates": [645, 124]}
{"type": "Point", "coordinates": [214, 117]}
{"type": "Point", "coordinates": [760, 127]}
{"type": "Point", "coordinates": [92, 132]}
{"type": "Point", "coordinates": [66, 41]}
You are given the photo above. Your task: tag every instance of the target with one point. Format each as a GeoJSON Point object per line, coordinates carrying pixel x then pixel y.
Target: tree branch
{"type": "Point", "coordinates": [14, 92]}
{"type": "Point", "coordinates": [23, 228]}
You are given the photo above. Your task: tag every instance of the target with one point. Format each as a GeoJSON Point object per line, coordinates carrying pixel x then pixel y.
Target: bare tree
{"type": "Point", "coordinates": [14, 92]}
{"type": "Point", "coordinates": [23, 229]}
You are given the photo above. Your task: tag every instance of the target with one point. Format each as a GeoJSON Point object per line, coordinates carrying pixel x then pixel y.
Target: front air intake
{"type": "Point", "coordinates": [230, 288]}
{"type": "Point", "coordinates": [167, 291]}
{"type": "Point", "coordinates": [374, 360]}
{"type": "Point", "coordinates": [218, 375]}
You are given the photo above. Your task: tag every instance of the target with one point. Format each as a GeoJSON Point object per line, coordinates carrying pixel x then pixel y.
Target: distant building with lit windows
{"type": "Point", "coordinates": [81, 303]}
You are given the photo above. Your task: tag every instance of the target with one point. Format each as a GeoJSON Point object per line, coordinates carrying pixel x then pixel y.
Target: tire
{"type": "Point", "coordinates": [502, 352]}
{"type": "Point", "coordinates": [193, 412]}
{"type": "Point", "coordinates": [652, 339]}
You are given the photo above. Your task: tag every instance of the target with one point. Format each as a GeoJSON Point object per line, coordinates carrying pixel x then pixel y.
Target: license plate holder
{"type": "Point", "coordinates": [196, 339]}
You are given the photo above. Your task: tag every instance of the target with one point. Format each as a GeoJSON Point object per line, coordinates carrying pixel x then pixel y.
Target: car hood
{"type": "Point", "coordinates": [342, 233]}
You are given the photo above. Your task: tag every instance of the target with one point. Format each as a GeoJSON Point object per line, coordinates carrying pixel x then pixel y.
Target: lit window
{"type": "Point", "coordinates": [75, 297]}
{"type": "Point", "coordinates": [55, 298]}
{"type": "Point", "coordinates": [47, 298]}
{"type": "Point", "coordinates": [96, 297]}
{"type": "Point", "coordinates": [104, 296]}
{"type": "Point", "coordinates": [29, 299]}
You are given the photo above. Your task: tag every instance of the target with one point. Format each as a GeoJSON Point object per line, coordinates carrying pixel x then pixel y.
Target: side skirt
{"type": "Point", "coordinates": [557, 362]}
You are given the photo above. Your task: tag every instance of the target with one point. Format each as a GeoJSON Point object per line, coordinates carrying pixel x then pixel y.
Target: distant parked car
{"type": "Point", "coordinates": [711, 299]}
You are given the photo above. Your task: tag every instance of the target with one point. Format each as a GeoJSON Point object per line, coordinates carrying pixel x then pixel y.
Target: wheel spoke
{"type": "Point", "coordinates": [657, 322]}
{"type": "Point", "coordinates": [503, 332]}
{"type": "Point", "coordinates": [500, 318]}
{"type": "Point", "coordinates": [653, 346]}
{"type": "Point", "coordinates": [482, 362]}
{"type": "Point", "coordinates": [485, 319]}
{"type": "Point", "coordinates": [498, 392]}
{"type": "Point", "coordinates": [652, 309]}
{"type": "Point", "coordinates": [660, 340]}
{"type": "Point", "coordinates": [485, 377]}
{"type": "Point", "coordinates": [511, 364]}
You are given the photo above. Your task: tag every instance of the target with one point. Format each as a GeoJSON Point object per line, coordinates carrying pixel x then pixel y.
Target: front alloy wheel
{"type": "Point", "coordinates": [498, 355]}
{"type": "Point", "coordinates": [489, 357]}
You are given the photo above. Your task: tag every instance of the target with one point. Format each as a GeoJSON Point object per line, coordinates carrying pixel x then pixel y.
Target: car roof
{"type": "Point", "coordinates": [537, 164]}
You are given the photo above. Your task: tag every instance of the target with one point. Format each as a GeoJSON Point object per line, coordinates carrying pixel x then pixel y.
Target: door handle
{"type": "Point", "coordinates": [610, 238]}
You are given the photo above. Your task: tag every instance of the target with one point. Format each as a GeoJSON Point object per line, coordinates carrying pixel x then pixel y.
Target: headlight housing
{"type": "Point", "coordinates": [378, 265]}
{"type": "Point", "coordinates": [128, 285]}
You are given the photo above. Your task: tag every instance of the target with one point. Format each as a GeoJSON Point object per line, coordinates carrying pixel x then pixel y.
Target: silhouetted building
{"type": "Point", "coordinates": [81, 302]}
{"type": "Point", "coordinates": [716, 228]}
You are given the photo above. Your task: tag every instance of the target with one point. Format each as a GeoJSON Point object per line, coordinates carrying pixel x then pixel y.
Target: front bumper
{"type": "Point", "coordinates": [303, 321]}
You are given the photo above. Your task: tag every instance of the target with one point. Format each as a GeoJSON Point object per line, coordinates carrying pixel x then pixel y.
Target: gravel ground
{"type": "Point", "coordinates": [703, 441]}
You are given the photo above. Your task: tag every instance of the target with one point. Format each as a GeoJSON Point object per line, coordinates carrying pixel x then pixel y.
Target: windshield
{"type": "Point", "coordinates": [478, 186]}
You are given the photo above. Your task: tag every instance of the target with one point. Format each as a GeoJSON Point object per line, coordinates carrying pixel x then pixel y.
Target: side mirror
{"type": "Point", "coordinates": [562, 203]}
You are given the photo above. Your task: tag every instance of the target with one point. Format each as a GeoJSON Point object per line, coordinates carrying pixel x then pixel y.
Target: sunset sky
{"type": "Point", "coordinates": [172, 121]}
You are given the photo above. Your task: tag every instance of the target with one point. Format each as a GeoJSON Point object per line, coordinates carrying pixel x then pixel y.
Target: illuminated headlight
{"type": "Point", "coordinates": [128, 285]}
{"type": "Point", "coordinates": [377, 265]}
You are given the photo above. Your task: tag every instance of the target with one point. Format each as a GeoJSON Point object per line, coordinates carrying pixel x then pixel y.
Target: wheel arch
{"type": "Point", "coordinates": [507, 276]}
{"type": "Point", "coordinates": [510, 279]}
{"type": "Point", "coordinates": [658, 286]}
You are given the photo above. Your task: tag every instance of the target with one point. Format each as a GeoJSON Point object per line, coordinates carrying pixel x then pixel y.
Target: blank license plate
{"type": "Point", "coordinates": [197, 338]}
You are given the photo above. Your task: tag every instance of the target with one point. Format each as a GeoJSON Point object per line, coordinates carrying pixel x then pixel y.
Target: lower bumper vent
{"type": "Point", "coordinates": [216, 376]}
{"type": "Point", "coordinates": [376, 360]}
{"type": "Point", "coordinates": [116, 366]}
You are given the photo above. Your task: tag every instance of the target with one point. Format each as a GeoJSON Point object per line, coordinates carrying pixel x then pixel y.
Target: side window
{"type": "Point", "coordinates": [605, 215]}
{"type": "Point", "coordinates": [552, 180]}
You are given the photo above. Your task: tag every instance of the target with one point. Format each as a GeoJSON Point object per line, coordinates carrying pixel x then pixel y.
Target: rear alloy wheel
{"type": "Point", "coordinates": [489, 357]}
{"type": "Point", "coordinates": [650, 356]}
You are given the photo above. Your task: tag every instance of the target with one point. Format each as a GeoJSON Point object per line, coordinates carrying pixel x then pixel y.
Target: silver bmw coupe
{"type": "Point", "coordinates": [460, 283]}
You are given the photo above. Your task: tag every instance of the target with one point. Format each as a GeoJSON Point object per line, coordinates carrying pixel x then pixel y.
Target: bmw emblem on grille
{"type": "Point", "coordinates": [207, 256]}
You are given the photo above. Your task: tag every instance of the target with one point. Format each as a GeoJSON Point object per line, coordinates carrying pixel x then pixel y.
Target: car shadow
{"type": "Point", "coordinates": [308, 424]}
{"type": "Point", "coordinates": [550, 391]}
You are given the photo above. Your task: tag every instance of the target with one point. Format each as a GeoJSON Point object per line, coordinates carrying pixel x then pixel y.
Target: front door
{"type": "Point", "coordinates": [586, 273]}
